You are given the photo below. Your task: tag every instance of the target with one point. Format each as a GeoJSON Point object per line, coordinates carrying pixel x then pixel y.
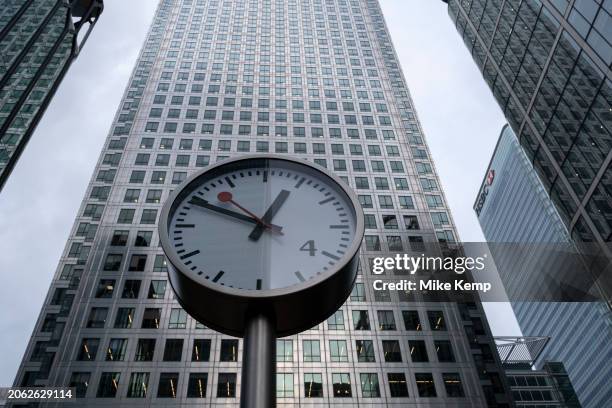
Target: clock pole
{"type": "Point", "coordinates": [258, 389]}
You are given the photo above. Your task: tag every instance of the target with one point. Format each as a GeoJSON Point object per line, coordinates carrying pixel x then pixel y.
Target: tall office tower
{"type": "Point", "coordinates": [315, 79]}
{"type": "Point", "coordinates": [548, 65]}
{"type": "Point", "coordinates": [513, 207]}
{"type": "Point", "coordinates": [548, 386]}
{"type": "Point", "coordinates": [38, 42]}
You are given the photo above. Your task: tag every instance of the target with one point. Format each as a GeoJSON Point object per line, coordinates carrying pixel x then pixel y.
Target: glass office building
{"type": "Point", "coordinates": [38, 41]}
{"type": "Point", "coordinates": [517, 208]}
{"type": "Point", "coordinates": [548, 65]}
{"type": "Point", "coordinates": [315, 79]}
{"type": "Point", "coordinates": [549, 386]}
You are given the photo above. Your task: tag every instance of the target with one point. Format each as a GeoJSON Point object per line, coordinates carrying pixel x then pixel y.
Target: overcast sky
{"type": "Point", "coordinates": [39, 203]}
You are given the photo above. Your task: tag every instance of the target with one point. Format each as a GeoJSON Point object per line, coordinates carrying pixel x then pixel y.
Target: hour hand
{"type": "Point", "coordinates": [200, 202]}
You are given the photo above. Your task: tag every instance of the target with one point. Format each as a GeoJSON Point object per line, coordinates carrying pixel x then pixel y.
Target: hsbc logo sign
{"type": "Point", "coordinates": [482, 198]}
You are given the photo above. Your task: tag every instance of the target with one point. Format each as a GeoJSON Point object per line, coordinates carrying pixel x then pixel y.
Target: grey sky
{"type": "Point", "coordinates": [38, 204]}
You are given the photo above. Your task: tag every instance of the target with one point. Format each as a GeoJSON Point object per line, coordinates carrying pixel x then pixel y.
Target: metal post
{"type": "Point", "coordinates": [258, 388]}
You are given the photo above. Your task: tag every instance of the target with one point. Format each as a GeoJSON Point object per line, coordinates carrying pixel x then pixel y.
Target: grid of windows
{"type": "Point", "coordinates": [314, 79]}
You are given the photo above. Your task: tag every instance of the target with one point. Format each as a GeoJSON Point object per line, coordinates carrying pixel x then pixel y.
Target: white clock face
{"type": "Point", "coordinates": [267, 226]}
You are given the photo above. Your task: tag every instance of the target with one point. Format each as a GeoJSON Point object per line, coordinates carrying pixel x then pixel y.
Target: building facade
{"type": "Point", "coordinates": [517, 209]}
{"type": "Point", "coordinates": [549, 386]}
{"type": "Point", "coordinates": [315, 79]}
{"type": "Point", "coordinates": [547, 63]}
{"type": "Point", "coordinates": [38, 42]}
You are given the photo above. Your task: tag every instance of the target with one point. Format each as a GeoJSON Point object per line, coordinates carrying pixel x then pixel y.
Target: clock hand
{"type": "Point", "coordinates": [226, 197]}
{"type": "Point", "coordinates": [205, 204]}
{"type": "Point", "coordinates": [276, 205]}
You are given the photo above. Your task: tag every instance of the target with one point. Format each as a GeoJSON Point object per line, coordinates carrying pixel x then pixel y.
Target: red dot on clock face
{"type": "Point", "coordinates": [224, 196]}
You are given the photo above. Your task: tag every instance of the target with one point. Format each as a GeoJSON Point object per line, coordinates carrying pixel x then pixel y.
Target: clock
{"type": "Point", "coordinates": [262, 234]}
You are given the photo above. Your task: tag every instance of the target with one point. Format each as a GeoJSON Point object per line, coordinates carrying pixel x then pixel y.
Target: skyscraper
{"type": "Point", "coordinates": [38, 42]}
{"type": "Point", "coordinates": [548, 65]}
{"type": "Point", "coordinates": [315, 79]}
{"type": "Point", "coordinates": [513, 207]}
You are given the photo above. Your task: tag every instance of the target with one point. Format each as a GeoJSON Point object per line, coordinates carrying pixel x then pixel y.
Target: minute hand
{"type": "Point", "coordinates": [205, 204]}
{"type": "Point", "coordinates": [267, 218]}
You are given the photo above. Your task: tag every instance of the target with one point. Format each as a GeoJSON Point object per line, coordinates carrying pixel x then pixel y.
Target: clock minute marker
{"type": "Point", "coordinates": [332, 256]}
{"type": "Point", "coordinates": [327, 200]}
{"type": "Point", "coordinates": [218, 276]}
{"type": "Point", "coordinates": [190, 254]}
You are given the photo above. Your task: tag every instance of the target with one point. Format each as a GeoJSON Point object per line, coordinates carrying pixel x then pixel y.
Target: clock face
{"type": "Point", "coordinates": [260, 224]}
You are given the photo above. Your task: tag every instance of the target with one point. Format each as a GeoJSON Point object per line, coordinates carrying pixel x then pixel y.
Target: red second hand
{"type": "Point", "coordinates": [227, 197]}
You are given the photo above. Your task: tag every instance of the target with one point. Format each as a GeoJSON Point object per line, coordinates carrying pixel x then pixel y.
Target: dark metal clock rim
{"type": "Point", "coordinates": [351, 252]}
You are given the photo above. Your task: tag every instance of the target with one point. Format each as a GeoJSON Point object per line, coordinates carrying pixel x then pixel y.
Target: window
{"type": "Point", "coordinates": [312, 351]}
{"type": "Point", "coordinates": [382, 183]}
{"type": "Point", "coordinates": [145, 350]}
{"type": "Point", "coordinates": [97, 318]}
{"type": "Point", "coordinates": [160, 264]}
{"type": "Point", "coordinates": [196, 387]}
{"type": "Point", "coordinates": [358, 293]}
{"type": "Point", "coordinates": [88, 349]}
{"type": "Point", "coordinates": [157, 289]}
{"type": "Point", "coordinates": [406, 202]}
{"type": "Point", "coordinates": [365, 201]}
{"type": "Point", "coordinates": [395, 243]}
{"type": "Point", "coordinates": [226, 386]}
{"type": "Point", "coordinates": [391, 351]}
{"type": "Point", "coordinates": [201, 350]}
{"type": "Point", "coordinates": [151, 318]}
{"type": "Point", "coordinates": [112, 262]}
{"type": "Point", "coordinates": [397, 385]}
{"type": "Point", "coordinates": [284, 350]}
{"type": "Point", "coordinates": [313, 385]}
{"type": "Point", "coordinates": [361, 320]}
{"type": "Point", "coordinates": [124, 318]}
{"type": "Point", "coordinates": [338, 351]}
{"type": "Point", "coordinates": [370, 221]}
{"type": "Point", "coordinates": [131, 289]}
{"type": "Point", "coordinates": [148, 217]}
{"type": "Point", "coordinates": [365, 351]}
{"type": "Point", "coordinates": [154, 196]}
{"type": "Point", "coordinates": [229, 350]}
{"type": "Point", "coordinates": [411, 222]}
{"type": "Point", "coordinates": [341, 384]}
{"type": "Point", "coordinates": [178, 319]}
{"type": "Point", "coordinates": [105, 289]}
{"type": "Point", "coordinates": [390, 222]}
{"type": "Point", "coordinates": [369, 385]}
{"type": "Point", "coordinates": [109, 382]}
{"type": "Point", "coordinates": [137, 388]}
{"type": "Point", "coordinates": [436, 320]}
{"type": "Point", "coordinates": [173, 350]}
{"type": "Point", "coordinates": [143, 238]}
{"type": "Point", "coordinates": [137, 263]}
{"type": "Point", "coordinates": [385, 202]}
{"type": "Point", "coordinates": [119, 238]}
{"type": "Point", "coordinates": [80, 381]}
{"type": "Point", "coordinates": [131, 195]}
{"type": "Point", "coordinates": [452, 384]}
{"type": "Point", "coordinates": [412, 322]}
{"type": "Point", "coordinates": [401, 183]}
{"type": "Point", "coordinates": [116, 349]}
{"type": "Point", "coordinates": [444, 350]}
{"type": "Point", "coordinates": [386, 321]}
{"type": "Point", "coordinates": [336, 321]}
{"type": "Point", "coordinates": [372, 242]}
{"type": "Point", "coordinates": [425, 385]}
{"type": "Point", "coordinates": [167, 385]}
{"type": "Point", "coordinates": [362, 183]}
{"type": "Point", "coordinates": [418, 351]}
{"type": "Point", "coordinates": [284, 385]}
